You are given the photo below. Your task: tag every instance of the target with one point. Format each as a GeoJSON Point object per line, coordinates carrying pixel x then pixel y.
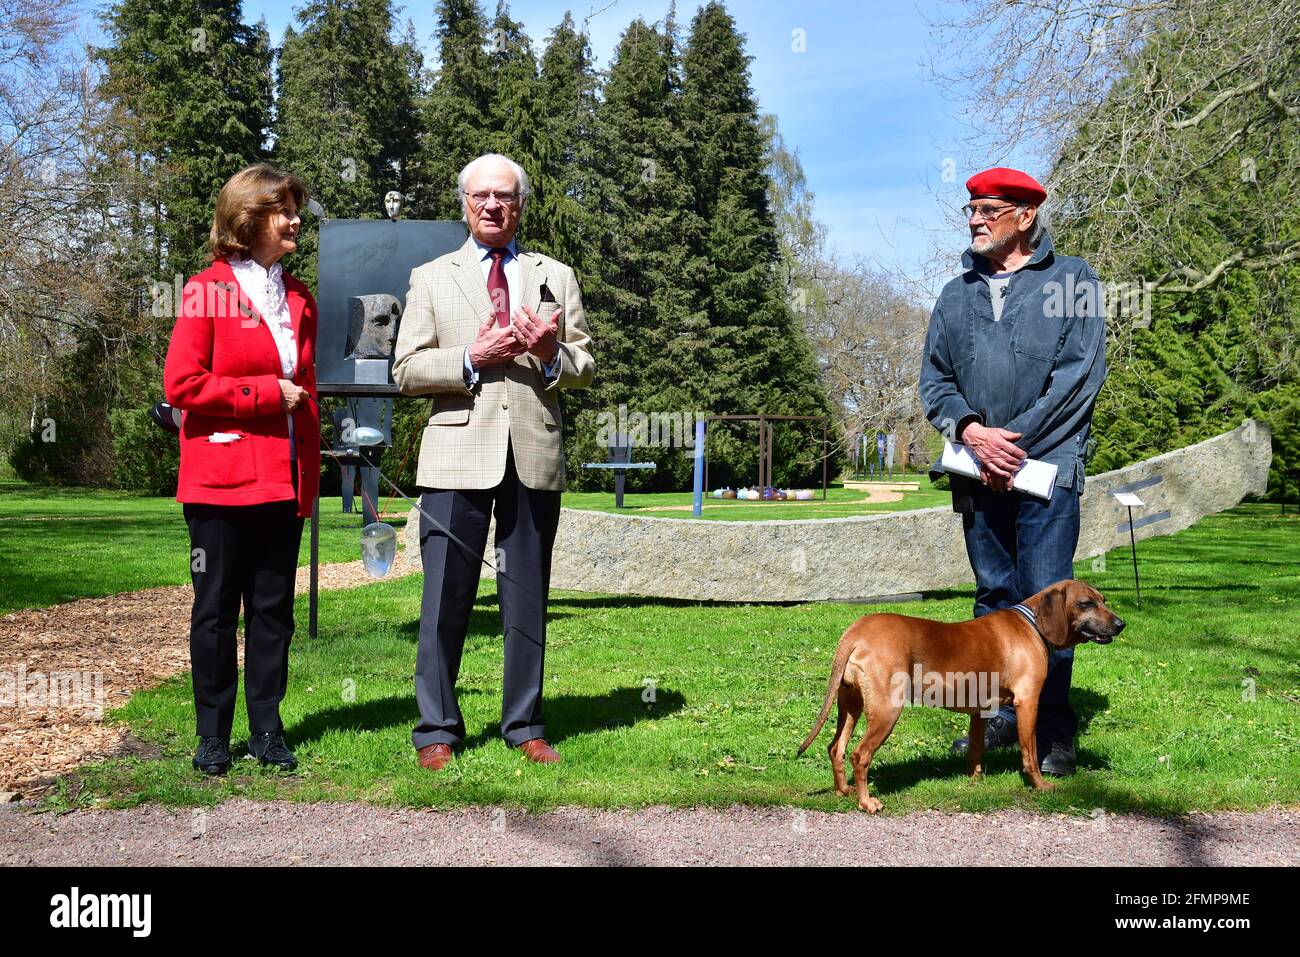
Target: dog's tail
{"type": "Point", "coordinates": [837, 674]}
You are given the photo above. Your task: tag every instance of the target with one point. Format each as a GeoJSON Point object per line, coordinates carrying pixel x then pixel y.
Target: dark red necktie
{"type": "Point", "coordinates": [498, 289]}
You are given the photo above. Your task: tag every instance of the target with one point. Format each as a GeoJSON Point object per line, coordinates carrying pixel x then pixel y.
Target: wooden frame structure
{"type": "Point", "coordinates": [765, 443]}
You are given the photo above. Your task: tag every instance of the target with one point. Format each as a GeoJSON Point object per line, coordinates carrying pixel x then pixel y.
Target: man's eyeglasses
{"type": "Point", "coordinates": [986, 213]}
{"type": "Point", "coordinates": [480, 199]}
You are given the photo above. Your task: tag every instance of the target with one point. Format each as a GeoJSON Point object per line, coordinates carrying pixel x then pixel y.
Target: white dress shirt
{"type": "Point", "coordinates": [514, 286]}
{"type": "Point", "coordinates": [265, 290]}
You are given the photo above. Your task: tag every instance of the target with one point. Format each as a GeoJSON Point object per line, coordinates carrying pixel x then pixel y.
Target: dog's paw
{"type": "Point", "coordinates": [843, 790]}
{"type": "Point", "coordinates": [1045, 786]}
{"type": "Point", "coordinates": [870, 805]}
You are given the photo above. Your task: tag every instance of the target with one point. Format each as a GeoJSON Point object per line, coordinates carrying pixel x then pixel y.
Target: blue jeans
{"type": "Point", "coordinates": [1018, 545]}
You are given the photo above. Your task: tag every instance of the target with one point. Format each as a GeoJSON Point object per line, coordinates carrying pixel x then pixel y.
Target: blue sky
{"type": "Point", "coordinates": [873, 132]}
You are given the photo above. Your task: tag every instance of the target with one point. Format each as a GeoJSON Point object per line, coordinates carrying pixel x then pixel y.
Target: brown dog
{"type": "Point", "coordinates": [971, 667]}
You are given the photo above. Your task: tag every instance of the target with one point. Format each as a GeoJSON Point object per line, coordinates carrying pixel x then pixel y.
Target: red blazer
{"type": "Point", "coordinates": [223, 372]}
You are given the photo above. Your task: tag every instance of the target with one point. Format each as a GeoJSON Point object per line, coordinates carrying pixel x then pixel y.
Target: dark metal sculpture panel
{"type": "Point", "coordinates": [362, 261]}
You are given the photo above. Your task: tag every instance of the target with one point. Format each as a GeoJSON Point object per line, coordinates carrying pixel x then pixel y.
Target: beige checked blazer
{"type": "Point", "coordinates": [464, 444]}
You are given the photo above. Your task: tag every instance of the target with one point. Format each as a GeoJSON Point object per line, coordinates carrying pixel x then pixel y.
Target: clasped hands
{"type": "Point", "coordinates": [527, 332]}
{"type": "Point", "coordinates": [292, 395]}
{"type": "Point", "coordinates": [999, 458]}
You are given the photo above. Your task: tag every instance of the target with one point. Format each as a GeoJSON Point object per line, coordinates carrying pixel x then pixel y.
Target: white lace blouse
{"type": "Point", "coordinates": [265, 289]}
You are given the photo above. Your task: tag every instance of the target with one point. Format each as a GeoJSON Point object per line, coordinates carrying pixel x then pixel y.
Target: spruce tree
{"type": "Point", "coordinates": [345, 108]}
{"type": "Point", "coordinates": [560, 222]}
{"type": "Point", "coordinates": [455, 117]}
{"type": "Point", "coordinates": [754, 352]}
{"type": "Point", "coordinates": [645, 303]}
{"type": "Point", "coordinates": [561, 217]}
{"type": "Point", "coordinates": [514, 113]}
{"type": "Point", "coordinates": [1206, 347]}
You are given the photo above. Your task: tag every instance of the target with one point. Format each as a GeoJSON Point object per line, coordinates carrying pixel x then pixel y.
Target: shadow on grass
{"type": "Point", "coordinates": [1102, 791]}
{"type": "Point", "coordinates": [484, 625]}
{"type": "Point", "coordinates": [567, 716]}
{"type": "Point", "coordinates": [1087, 704]}
{"type": "Point", "coordinates": [949, 594]}
{"type": "Point", "coordinates": [1085, 789]}
{"type": "Point", "coordinates": [1154, 595]}
{"type": "Point", "coordinates": [359, 716]}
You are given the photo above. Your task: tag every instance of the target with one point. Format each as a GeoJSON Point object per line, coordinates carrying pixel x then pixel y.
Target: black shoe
{"type": "Point", "coordinates": [269, 748]}
{"type": "Point", "coordinates": [1059, 760]}
{"type": "Point", "coordinates": [213, 755]}
{"type": "Point", "coordinates": [998, 733]}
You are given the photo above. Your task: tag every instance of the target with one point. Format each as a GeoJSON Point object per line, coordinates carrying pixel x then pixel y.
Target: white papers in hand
{"type": "Point", "coordinates": [1033, 477]}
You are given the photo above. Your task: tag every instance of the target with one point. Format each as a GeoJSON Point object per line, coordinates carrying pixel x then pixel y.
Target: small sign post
{"type": "Point", "coordinates": [1128, 500]}
{"type": "Point", "coordinates": [697, 503]}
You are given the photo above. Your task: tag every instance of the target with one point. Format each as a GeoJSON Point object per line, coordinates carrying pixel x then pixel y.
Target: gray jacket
{"type": "Point", "coordinates": [1037, 371]}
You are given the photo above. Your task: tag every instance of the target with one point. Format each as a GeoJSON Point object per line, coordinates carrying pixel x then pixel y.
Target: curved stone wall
{"type": "Point", "coordinates": [888, 554]}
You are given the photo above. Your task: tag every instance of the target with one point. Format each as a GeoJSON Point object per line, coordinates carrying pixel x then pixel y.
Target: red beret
{"type": "Point", "coordinates": [1003, 183]}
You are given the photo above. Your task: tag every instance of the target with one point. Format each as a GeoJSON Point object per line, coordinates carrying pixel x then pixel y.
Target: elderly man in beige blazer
{"type": "Point", "coordinates": [491, 333]}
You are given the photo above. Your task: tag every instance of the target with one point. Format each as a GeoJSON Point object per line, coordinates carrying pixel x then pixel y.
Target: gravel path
{"type": "Point", "coordinates": [248, 832]}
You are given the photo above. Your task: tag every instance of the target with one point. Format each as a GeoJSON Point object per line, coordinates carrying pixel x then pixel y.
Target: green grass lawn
{"type": "Point", "coordinates": [57, 545]}
{"type": "Point", "coordinates": [840, 503]}
{"type": "Point", "coordinates": [656, 701]}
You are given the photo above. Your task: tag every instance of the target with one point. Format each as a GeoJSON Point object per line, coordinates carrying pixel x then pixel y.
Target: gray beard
{"type": "Point", "coordinates": [997, 247]}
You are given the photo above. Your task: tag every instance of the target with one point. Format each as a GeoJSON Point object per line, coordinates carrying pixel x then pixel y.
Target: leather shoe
{"type": "Point", "coordinates": [269, 748]}
{"type": "Point", "coordinates": [1059, 761]}
{"type": "Point", "coordinates": [435, 757]}
{"type": "Point", "coordinates": [213, 755]}
{"type": "Point", "coordinates": [538, 751]}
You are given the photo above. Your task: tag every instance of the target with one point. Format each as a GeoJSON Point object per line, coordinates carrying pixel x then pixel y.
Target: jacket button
{"type": "Point", "coordinates": [505, 404]}
{"type": "Point", "coordinates": [246, 390]}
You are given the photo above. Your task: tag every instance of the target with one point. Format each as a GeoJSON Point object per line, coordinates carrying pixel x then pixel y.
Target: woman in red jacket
{"type": "Point", "coordinates": [241, 368]}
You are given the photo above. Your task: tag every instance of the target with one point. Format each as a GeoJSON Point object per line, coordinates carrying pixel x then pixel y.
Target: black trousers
{"type": "Point", "coordinates": [526, 523]}
{"type": "Point", "coordinates": [248, 554]}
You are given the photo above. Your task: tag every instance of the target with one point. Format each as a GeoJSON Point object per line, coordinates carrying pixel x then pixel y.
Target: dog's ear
{"type": "Point", "coordinates": [1053, 613]}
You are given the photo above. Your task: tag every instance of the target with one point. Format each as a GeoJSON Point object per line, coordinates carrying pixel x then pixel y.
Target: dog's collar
{"type": "Point", "coordinates": [1029, 616]}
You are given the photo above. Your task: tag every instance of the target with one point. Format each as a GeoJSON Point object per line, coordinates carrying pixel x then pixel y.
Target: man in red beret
{"type": "Point", "coordinates": [1015, 356]}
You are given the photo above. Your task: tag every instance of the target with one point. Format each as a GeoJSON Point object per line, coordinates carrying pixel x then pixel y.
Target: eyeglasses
{"type": "Point", "coordinates": [480, 199]}
{"type": "Point", "coordinates": [986, 213]}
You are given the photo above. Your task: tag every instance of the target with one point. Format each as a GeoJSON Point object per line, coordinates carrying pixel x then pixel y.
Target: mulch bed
{"type": "Point", "coordinates": [133, 640]}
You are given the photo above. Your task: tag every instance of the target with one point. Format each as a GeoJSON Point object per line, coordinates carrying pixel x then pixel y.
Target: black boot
{"type": "Point", "coordinates": [213, 755]}
{"type": "Point", "coordinates": [1059, 759]}
{"type": "Point", "coordinates": [269, 748]}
